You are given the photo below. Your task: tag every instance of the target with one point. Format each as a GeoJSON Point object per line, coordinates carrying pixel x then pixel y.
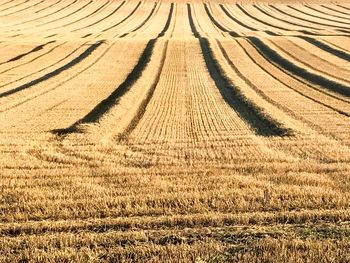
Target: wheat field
{"type": "Point", "coordinates": [174, 131]}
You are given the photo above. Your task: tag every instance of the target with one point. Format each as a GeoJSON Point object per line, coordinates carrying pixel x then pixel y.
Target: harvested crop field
{"type": "Point", "coordinates": [174, 131]}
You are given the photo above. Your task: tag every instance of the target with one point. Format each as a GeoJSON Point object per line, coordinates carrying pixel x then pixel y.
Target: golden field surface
{"type": "Point", "coordinates": [174, 131]}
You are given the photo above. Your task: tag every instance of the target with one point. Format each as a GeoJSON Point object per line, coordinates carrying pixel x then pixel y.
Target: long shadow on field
{"type": "Point", "coordinates": [327, 48]}
{"type": "Point", "coordinates": [143, 22]}
{"type": "Point", "coordinates": [319, 17]}
{"type": "Point", "coordinates": [217, 24]}
{"type": "Point", "coordinates": [105, 105]}
{"type": "Point", "coordinates": [236, 20]}
{"type": "Point", "coordinates": [121, 21]}
{"type": "Point", "coordinates": [98, 21]}
{"type": "Point", "coordinates": [335, 10]}
{"type": "Point", "coordinates": [51, 74]}
{"type": "Point", "coordinates": [273, 56]}
{"type": "Point", "coordinates": [262, 124]}
{"type": "Point", "coordinates": [259, 20]}
{"type": "Point", "coordinates": [12, 6]}
{"type": "Point", "coordinates": [253, 115]}
{"type": "Point", "coordinates": [36, 49]}
{"type": "Point", "coordinates": [288, 14]}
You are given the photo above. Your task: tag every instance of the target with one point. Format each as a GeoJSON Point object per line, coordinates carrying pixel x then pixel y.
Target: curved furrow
{"type": "Point", "coordinates": [51, 74]}
{"type": "Point", "coordinates": [81, 19]}
{"type": "Point", "coordinates": [335, 10]}
{"type": "Point", "coordinates": [309, 61]}
{"type": "Point", "coordinates": [315, 111]}
{"type": "Point", "coordinates": [47, 53]}
{"type": "Point", "coordinates": [239, 22]}
{"type": "Point", "coordinates": [290, 14]}
{"type": "Point", "coordinates": [48, 7]}
{"type": "Point", "coordinates": [168, 21]}
{"type": "Point", "coordinates": [203, 22]}
{"type": "Point", "coordinates": [322, 12]}
{"type": "Point", "coordinates": [104, 109]}
{"type": "Point", "coordinates": [18, 12]}
{"type": "Point", "coordinates": [258, 90]}
{"type": "Point", "coordinates": [261, 123]}
{"type": "Point", "coordinates": [155, 24]}
{"type": "Point", "coordinates": [319, 17]}
{"type": "Point", "coordinates": [41, 66]}
{"type": "Point", "coordinates": [297, 81]}
{"type": "Point", "coordinates": [343, 7]}
{"type": "Point", "coordinates": [13, 6]}
{"type": "Point", "coordinates": [143, 105]}
{"type": "Point", "coordinates": [30, 52]}
{"type": "Point", "coordinates": [321, 54]}
{"type": "Point", "coordinates": [155, 8]}
{"type": "Point", "coordinates": [319, 80]}
{"type": "Point", "coordinates": [336, 52]}
{"type": "Point", "coordinates": [54, 12]}
{"type": "Point", "coordinates": [102, 19]}
{"type": "Point", "coordinates": [196, 125]}
{"type": "Point", "coordinates": [339, 43]}
{"type": "Point", "coordinates": [42, 102]}
{"type": "Point", "coordinates": [301, 27]}
{"type": "Point", "coordinates": [124, 19]}
{"type": "Point", "coordinates": [240, 7]}
{"type": "Point", "coordinates": [326, 11]}
{"type": "Point", "coordinates": [60, 18]}
{"type": "Point", "coordinates": [5, 3]}
{"type": "Point", "coordinates": [225, 21]}
{"type": "Point", "coordinates": [217, 24]}
{"type": "Point", "coordinates": [105, 105]}
{"type": "Point", "coordinates": [11, 51]}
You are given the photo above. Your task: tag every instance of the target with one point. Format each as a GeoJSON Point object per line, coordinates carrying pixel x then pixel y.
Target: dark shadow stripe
{"type": "Point", "coordinates": [286, 21]}
{"type": "Point", "coordinates": [319, 17]}
{"type": "Point", "coordinates": [284, 83]}
{"type": "Point", "coordinates": [28, 7]}
{"type": "Point", "coordinates": [105, 105]}
{"type": "Point", "coordinates": [167, 24]}
{"type": "Point", "coordinates": [236, 20]}
{"type": "Point", "coordinates": [54, 12]}
{"type": "Point", "coordinates": [344, 7]}
{"type": "Point", "coordinates": [190, 18]}
{"type": "Point", "coordinates": [335, 10]}
{"type": "Point", "coordinates": [70, 14]}
{"type": "Point", "coordinates": [132, 12]}
{"type": "Point", "coordinates": [148, 18]}
{"type": "Point", "coordinates": [87, 16]}
{"type": "Point", "coordinates": [28, 62]}
{"type": "Point", "coordinates": [217, 24]}
{"type": "Point", "coordinates": [325, 13]}
{"type": "Point", "coordinates": [252, 114]}
{"type": "Point", "coordinates": [27, 53]}
{"type": "Point", "coordinates": [336, 52]}
{"type": "Point", "coordinates": [261, 123]}
{"type": "Point", "coordinates": [6, 2]}
{"type": "Point", "coordinates": [47, 7]}
{"type": "Point", "coordinates": [298, 71]}
{"type": "Point", "coordinates": [307, 20]}
{"type": "Point", "coordinates": [104, 18]}
{"type": "Point", "coordinates": [142, 108]}
{"type": "Point", "coordinates": [143, 22]}
{"type": "Point", "coordinates": [70, 64]}
{"type": "Point", "coordinates": [42, 69]}
{"type": "Point", "coordinates": [259, 20]}
{"type": "Point", "coordinates": [7, 8]}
